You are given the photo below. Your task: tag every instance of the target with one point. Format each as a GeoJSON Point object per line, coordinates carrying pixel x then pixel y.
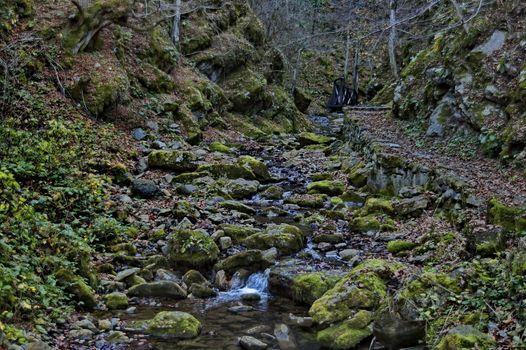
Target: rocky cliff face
{"type": "Point", "coordinates": [470, 87]}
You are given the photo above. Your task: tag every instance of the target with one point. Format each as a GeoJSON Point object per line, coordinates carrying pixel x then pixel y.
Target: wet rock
{"type": "Point", "coordinates": [237, 309]}
{"type": "Point", "coordinates": [331, 188]}
{"type": "Point", "coordinates": [286, 238]}
{"type": "Point", "coordinates": [284, 337]}
{"type": "Point", "coordinates": [158, 289]}
{"type": "Point", "coordinates": [251, 260]}
{"type": "Point", "coordinates": [220, 280]}
{"type": "Point", "coordinates": [171, 324]}
{"type": "Point", "coordinates": [240, 188]}
{"type": "Point", "coordinates": [237, 206]}
{"type": "Point", "coordinates": [349, 333]}
{"type": "Point", "coordinates": [193, 277]}
{"type": "Point", "coordinates": [251, 343]}
{"type": "Point", "coordinates": [225, 243]}
{"type": "Point", "coordinates": [202, 290]}
{"type": "Point", "coordinates": [192, 249]}
{"type": "Point", "coordinates": [238, 232]}
{"type": "Point", "coordinates": [250, 297]}
{"type": "Point", "coordinates": [395, 332]}
{"type": "Point", "coordinates": [309, 138]}
{"type": "Point", "coordinates": [144, 188]}
{"type": "Point", "coordinates": [466, 337]}
{"type": "Point", "coordinates": [256, 166]}
{"type": "Point", "coordinates": [139, 134]}
{"type": "Point", "coordinates": [363, 288]}
{"type": "Point", "coordinates": [273, 192]}
{"type": "Point", "coordinates": [116, 300]}
{"type": "Point", "coordinates": [175, 160]}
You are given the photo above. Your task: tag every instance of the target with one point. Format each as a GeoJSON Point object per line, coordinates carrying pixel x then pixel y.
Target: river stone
{"type": "Point", "coordinates": [117, 337]}
{"type": "Point", "coordinates": [144, 188]}
{"type": "Point", "coordinates": [284, 337]}
{"type": "Point", "coordinates": [256, 166]}
{"type": "Point", "coordinates": [237, 206]}
{"type": "Point", "coordinates": [240, 188]}
{"type": "Point", "coordinates": [238, 232]}
{"type": "Point", "coordinates": [225, 243]}
{"type": "Point", "coordinates": [158, 289]}
{"type": "Point", "coordinates": [171, 324]}
{"type": "Point", "coordinates": [220, 280]}
{"type": "Point", "coordinates": [331, 188]}
{"type": "Point", "coordinates": [116, 300]}
{"type": "Point", "coordinates": [251, 260]}
{"type": "Point", "coordinates": [202, 290]}
{"type": "Point", "coordinates": [250, 343]}
{"type": "Point", "coordinates": [286, 238]}
{"type": "Point", "coordinates": [193, 277]}
{"type": "Point", "coordinates": [309, 138]}
{"type": "Point", "coordinates": [192, 249]}
{"type": "Point", "coordinates": [175, 160]}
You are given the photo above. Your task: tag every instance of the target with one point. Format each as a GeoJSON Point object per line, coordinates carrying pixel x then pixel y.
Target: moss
{"type": "Point", "coordinates": [188, 177]}
{"type": "Point", "coordinates": [192, 248]}
{"type": "Point", "coordinates": [311, 286]}
{"type": "Point", "coordinates": [349, 333]}
{"type": "Point", "coordinates": [331, 188]}
{"type": "Point", "coordinates": [162, 53]}
{"type": "Point", "coordinates": [398, 246]}
{"type": "Point", "coordinates": [219, 147]}
{"type": "Point", "coordinates": [273, 192]}
{"type": "Point", "coordinates": [513, 220]}
{"type": "Point", "coordinates": [256, 166]}
{"type": "Point", "coordinates": [466, 337]}
{"type": "Point", "coordinates": [155, 80]}
{"type": "Point", "coordinates": [358, 175]}
{"type": "Point", "coordinates": [238, 232]}
{"type": "Point", "coordinates": [174, 324]}
{"type": "Point", "coordinates": [251, 260]}
{"type": "Point", "coordinates": [185, 209]}
{"type": "Point", "coordinates": [116, 300]}
{"type": "Point", "coordinates": [180, 161]}
{"type": "Point", "coordinates": [246, 90]}
{"type": "Point", "coordinates": [78, 288]}
{"type": "Point", "coordinates": [378, 205]}
{"type": "Point", "coordinates": [286, 238]}
{"type": "Point", "coordinates": [309, 138]}
{"type": "Point", "coordinates": [194, 277]}
{"type": "Point", "coordinates": [307, 200]}
{"type": "Point", "coordinates": [372, 223]}
{"type": "Point", "coordinates": [237, 206]}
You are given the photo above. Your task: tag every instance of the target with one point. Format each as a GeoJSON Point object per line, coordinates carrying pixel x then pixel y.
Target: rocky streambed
{"type": "Point", "coordinates": [292, 242]}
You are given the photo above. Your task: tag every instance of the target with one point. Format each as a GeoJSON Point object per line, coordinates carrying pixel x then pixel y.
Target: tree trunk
{"type": "Point", "coordinates": [392, 38]}
{"type": "Point", "coordinates": [356, 63]}
{"type": "Point", "coordinates": [295, 71]}
{"type": "Point", "coordinates": [176, 23]}
{"type": "Point", "coordinates": [460, 15]}
{"type": "Point", "coordinates": [347, 49]}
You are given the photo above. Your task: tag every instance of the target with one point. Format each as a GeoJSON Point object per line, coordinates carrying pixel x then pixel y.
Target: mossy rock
{"type": "Point", "coordinates": [188, 177]}
{"type": "Point", "coordinates": [192, 248]}
{"type": "Point", "coordinates": [155, 80]}
{"type": "Point", "coordinates": [513, 220]}
{"type": "Point", "coordinates": [308, 200]}
{"type": "Point", "coordinates": [202, 291]}
{"type": "Point", "coordinates": [349, 333]}
{"type": "Point", "coordinates": [286, 238]}
{"type": "Point", "coordinates": [161, 51]}
{"type": "Point", "coordinates": [238, 232]}
{"type": "Point", "coordinates": [301, 99]}
{"type": "Point", "coordinates": [273, 192]}
{"type": "Point", "coordinates": [398, 246]}
{"type": "Point", "coordinates": [372, 223]}
{"type": "Point", "coordinates": [358, 175]}
{"type": "Point", "coordinates": [250, 260]}
{"type": "Point", "coordinates": [157, 289]}
{"type": "Point", "coordinates": [76, 286]}
{"type": "Point", "coordinates": [230, 171]}
{"type": "Point", "coordinates": [238, 188]}
{"type": "Point", "coordinates": [309, 138]}
{"type": "Point", "coordinates": [246, 90]}
{"type": "Point", "coordinates": [219, 147]}
{"type": "Point", "coordinates": [256, 166]}
{"type": "Point", "coordinates": [178, 161]}
{"type": "Point", "coordinates": [309, 287]}
{"type": "Point", "coordinates": [184, 209]}
{"type": "Point", "coordinates": [465, 337]}
{"type": "Point", "coordinates": [331, 188]}
{"type": "Point", "coordinates": [193, 277]}
{"type": "Point", "coordinates": [378, 205]}
{"type": "Point", "coordinates": [237, 206]}
{"type": "Point", "coordinates": [333, 238]}
{"type": "Point", "coordinates": [170, 325]}
{"type": "Point", "coordinates": [116, 300]}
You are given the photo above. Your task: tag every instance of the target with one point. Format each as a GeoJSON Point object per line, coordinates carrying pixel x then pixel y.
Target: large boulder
{"type": "Point", "coordinates": [170, 325]}
{"type": "Point", "coordinates": [80, 290]}
{"type": "Point", "coordinates": [286, 238]}
{"type": "Point", "coordinates": [331, 188]}
{"type": "Point", "coordinates": [190, 248]}
{"type": "Point", "coordinates": [259, 168]}
{"type": "Point", "coordinates": [349, 333]}
{"type": "Point", "coordinates": [158, 289]}
{"type": "Point", "coordinates": [251, 260]}
{"type": "Point", "coordinates": [466, 337]}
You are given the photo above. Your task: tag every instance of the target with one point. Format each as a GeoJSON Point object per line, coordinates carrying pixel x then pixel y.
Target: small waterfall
{"type": "Point", "coordinates": [257, 283]}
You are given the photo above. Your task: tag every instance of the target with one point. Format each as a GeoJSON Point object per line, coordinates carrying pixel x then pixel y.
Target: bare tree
{"type": "Point", "coordinates": [392, 38]}
{"type": "Point", "coordinates": [176, 23]}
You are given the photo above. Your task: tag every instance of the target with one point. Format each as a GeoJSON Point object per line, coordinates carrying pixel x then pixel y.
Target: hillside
{"type": "Point", "coordinates": [170, 178]}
